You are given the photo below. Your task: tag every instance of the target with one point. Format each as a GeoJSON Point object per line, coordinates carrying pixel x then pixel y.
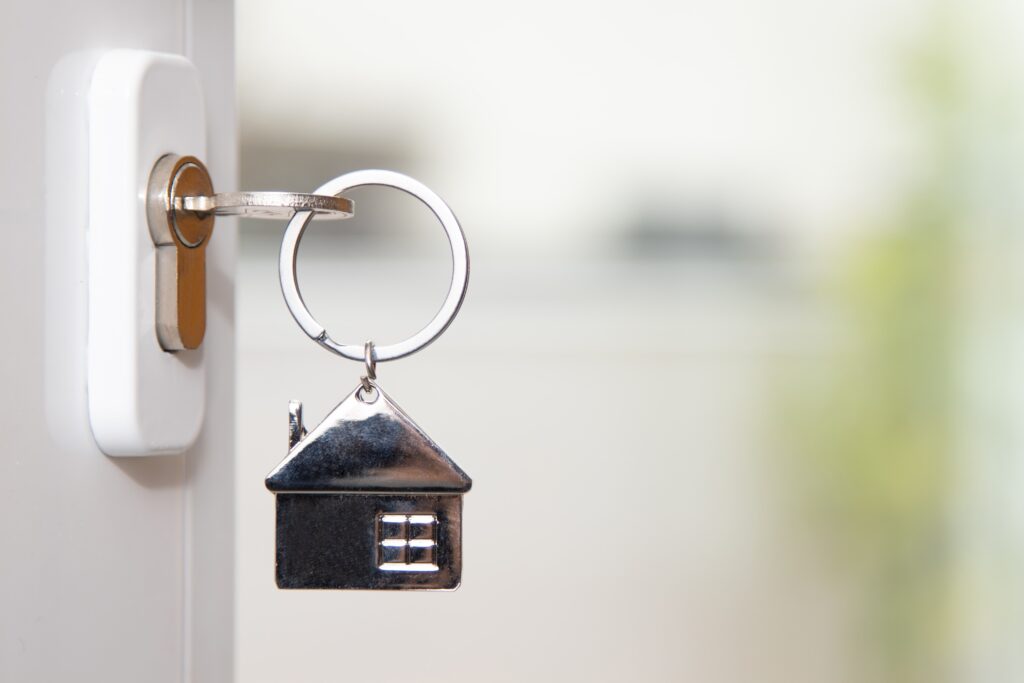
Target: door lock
{"type": "Point", "coordinates": [180, 209]}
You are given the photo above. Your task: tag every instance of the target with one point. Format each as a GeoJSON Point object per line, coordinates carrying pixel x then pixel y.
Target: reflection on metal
{"type": "Point", "coordinates": [367, 500]}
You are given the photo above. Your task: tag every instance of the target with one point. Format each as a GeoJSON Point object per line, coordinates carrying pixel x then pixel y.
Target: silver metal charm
{"type": "Point", "coordinates": [366, 499]}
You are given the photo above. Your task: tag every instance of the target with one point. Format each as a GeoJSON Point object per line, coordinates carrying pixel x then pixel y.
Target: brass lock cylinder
{"type": "Point", "coordinates": [181, 237]}
{"type": "Point", "coordinates": [180, 209]}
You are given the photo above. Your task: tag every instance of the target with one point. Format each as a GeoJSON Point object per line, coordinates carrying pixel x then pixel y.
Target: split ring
{"type": "Point", "coordinates": [456, 290]}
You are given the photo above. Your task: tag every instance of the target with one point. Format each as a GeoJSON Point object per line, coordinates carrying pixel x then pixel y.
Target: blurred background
{"type": "Point", "coordinates": [739, 375]}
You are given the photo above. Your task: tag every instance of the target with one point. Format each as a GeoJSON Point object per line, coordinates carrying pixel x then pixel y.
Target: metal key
{"type": "Point", "coordinates": [181, 206]}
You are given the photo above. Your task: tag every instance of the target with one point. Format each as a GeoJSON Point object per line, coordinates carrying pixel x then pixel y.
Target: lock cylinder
{"type": "Point", "coordinates": [180, 237]}
{"type": "Point", "coordinates": [180, 209]}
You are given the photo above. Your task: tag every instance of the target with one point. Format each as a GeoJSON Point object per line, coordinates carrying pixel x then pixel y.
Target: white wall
{"type": "Point", "coordinates": [110, 570]}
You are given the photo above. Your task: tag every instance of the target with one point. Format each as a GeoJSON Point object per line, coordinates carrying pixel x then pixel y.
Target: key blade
{"type": "Point", "coordinates": [270, 205]}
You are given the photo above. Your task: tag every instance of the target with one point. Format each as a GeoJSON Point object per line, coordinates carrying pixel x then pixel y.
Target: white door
{"type": "Point", "coordinates": [110, 569]}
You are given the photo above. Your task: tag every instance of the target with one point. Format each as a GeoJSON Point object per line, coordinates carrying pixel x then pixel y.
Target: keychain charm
{"type": "Point", "coordinates": [366, 499]}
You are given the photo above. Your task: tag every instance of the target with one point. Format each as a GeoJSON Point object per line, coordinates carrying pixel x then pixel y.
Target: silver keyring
{"type": "Point", "coordinates": [456, 290]}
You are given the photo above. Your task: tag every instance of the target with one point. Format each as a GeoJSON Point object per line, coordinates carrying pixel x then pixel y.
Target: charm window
{"type": "Point", "coordinates": [407, 543]}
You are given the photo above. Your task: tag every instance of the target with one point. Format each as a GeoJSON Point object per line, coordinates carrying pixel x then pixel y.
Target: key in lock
{"type": "Point", "coordinates": [181, 206]}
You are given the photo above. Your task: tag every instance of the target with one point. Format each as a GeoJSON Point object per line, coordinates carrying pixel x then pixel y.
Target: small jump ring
{"type": "Point", "coordinates": [371, 366]}
{"type": "Point", "coordinates": [456, 290]}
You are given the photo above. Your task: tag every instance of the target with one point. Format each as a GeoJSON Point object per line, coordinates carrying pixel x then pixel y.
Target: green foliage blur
{"type": "Point", "coordinates": [873, 427]}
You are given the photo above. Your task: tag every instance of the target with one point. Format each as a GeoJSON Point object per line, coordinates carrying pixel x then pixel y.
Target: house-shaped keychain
{"type": "Point", "coordinates": [367, 500]}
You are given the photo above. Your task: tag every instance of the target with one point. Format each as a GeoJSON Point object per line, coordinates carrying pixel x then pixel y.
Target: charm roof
{"type": "Point", "coordinates": [370, 448]}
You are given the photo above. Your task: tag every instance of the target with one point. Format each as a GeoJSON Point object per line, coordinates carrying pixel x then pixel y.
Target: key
{"type": "Point", "coordinates": [181, 207]}
{"type": "Point", "coordinates": [271, 205]}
